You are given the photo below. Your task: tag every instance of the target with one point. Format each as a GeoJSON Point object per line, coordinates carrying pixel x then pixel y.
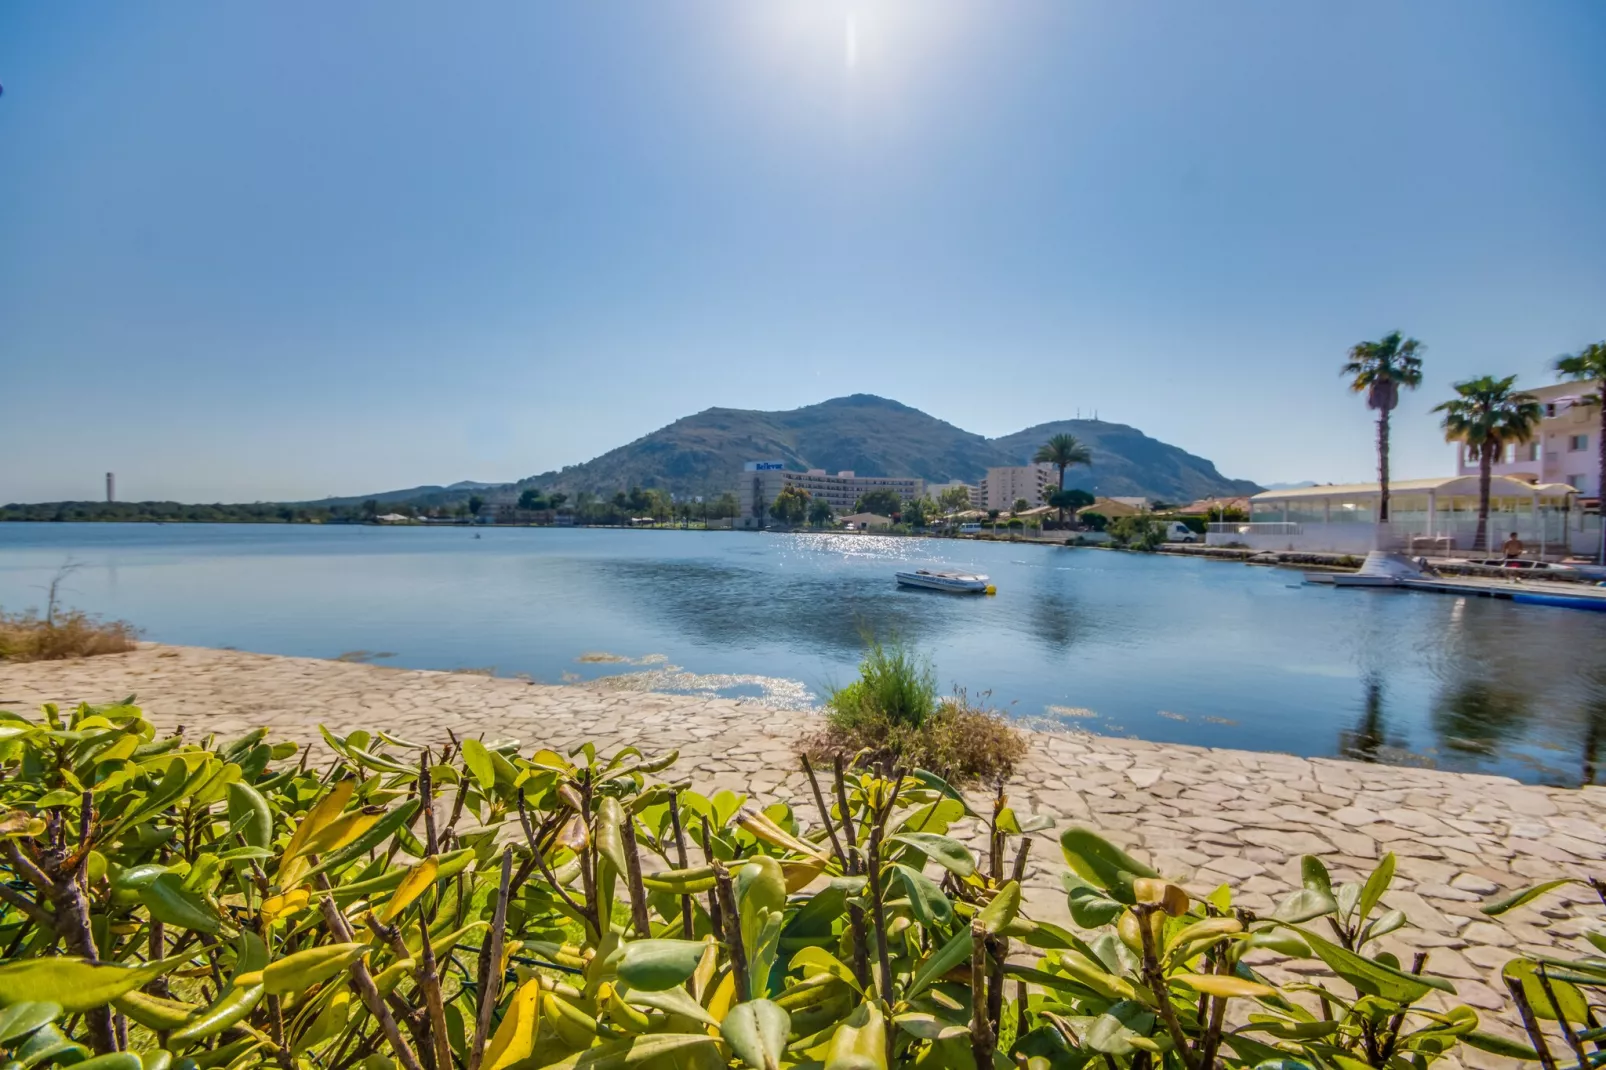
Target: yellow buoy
{"type": "Point", "coordinates": [990, 589]}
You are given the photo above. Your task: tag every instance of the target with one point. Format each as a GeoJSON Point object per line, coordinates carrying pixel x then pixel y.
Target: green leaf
{"type": "Point", "coordinates": [928, 1026]}
{"type": "Point", "coordinates": [73, 983]}
{"type": "Point", "coordinates": [940, 962]}
{"type": "Point", "coordinates": [1095, 859]}
{"type": "Point", "coordinates": [1374, 978]}
{"type": "Point", "coordinates": [1572, 1002]}
{"type": "Point", "coordinates": [997, 915]}
{"type": "Point", "coordinates": [20, 1019]}
{"type": "Point", "coordinates": [169, 901]}
{"type": "Point", "coordinates": [860, 1042]}
{"type": "Point", "coordinates": [478, 760]}
{"type": "Point", "coordinates": [947, 852]}
{"type": "Point", "coordinates": [610, 832]}
{"type": "Point", "coordinates": [1376, 885]}
{"type": "Point", "coordinates": [654, 965]}
{"type": "Point", "coordinates": [671, 1001]}
{"type": "Point", "coordinates": [47, 1044]}
{"type": "Point", "coordinates": [1313, 874]}
{"type": "Point", "coordinates": [926, 900]}
{"type": "Point", "coordinates": [756, 1031]}
{"type": "Point", "coordinates": [117, 1060]}
{"type": "Point", "coordinates": [1384, 925]}
{"type": "Point", "coordinates": [817, 960]}
{"type": "Point", "coordinates": [1090, 907]}
{"type": "Point", "coordinates": [656, 1049]}
{"type": "Point", "coordinates": [1498, 1045]}
{"type": "Point", "coordinates": [1526, 895]}
{"type": "Point", "coordinates": [1303, 905]}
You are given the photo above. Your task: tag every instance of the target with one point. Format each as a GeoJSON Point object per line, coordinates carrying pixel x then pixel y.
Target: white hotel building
{"type": "Point", "coordinates": [1003, 487]}
{"type": "Point", "coordinates": [762, 481]}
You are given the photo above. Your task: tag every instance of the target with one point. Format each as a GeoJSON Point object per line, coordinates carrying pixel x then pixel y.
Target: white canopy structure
{"type": "Point", "coordinates": [1425, 498]}
{"type": "Point", "coordinates": [1424, 514]}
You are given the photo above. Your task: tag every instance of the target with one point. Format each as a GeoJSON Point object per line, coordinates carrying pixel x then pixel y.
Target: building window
{"type": "Point", "coordinates": [1550, 409]}
{"type": "Point", "coordinates": [1532, 451]}
{"type": "Point", "coordinates": [1576, 482]}
{"type": "Point", "coordinates": [1577, 443]}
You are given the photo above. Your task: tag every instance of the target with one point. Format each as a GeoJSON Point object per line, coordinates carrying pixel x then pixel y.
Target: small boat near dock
{"type": "Point", "coordinates": [951, 582]}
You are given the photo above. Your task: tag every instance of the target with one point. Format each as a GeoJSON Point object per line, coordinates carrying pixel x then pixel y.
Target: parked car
{"type": "Point", "coordinates": [969, 529]}
{"type": "Point", "coordinates": [1177, 531]}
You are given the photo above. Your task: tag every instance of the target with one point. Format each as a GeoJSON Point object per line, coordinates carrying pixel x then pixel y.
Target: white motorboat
{"type": "Point", "coordinates": [952, 582]}
{"type": "Point", "coordinates": [1382, 569]}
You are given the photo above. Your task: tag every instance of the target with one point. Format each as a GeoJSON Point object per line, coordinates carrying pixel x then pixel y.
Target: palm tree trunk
{"type": "Point", "coordinates": [1383, 466]}
{"type": "Point", "coordinates": [1062, 489]}
{"type": "Point", "coordinates": [1480, 539]}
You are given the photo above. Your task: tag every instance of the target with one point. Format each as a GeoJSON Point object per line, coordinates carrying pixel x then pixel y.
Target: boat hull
{"type": "Point", "coordinates": [942, 583]}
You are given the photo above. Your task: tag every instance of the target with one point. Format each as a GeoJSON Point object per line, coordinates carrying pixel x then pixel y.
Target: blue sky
{"type": "Point", "coordinates": [266, 251]}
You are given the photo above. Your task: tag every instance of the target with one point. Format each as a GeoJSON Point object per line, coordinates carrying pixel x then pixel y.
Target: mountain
{"type": "Point", "coordinates": [1126, 462]}
{"type": "Point", "coordinates": [701, 454]}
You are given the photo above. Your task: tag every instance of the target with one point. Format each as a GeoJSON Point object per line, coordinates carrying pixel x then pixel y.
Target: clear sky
{"type": "Point", "coordinates": [270, 251]}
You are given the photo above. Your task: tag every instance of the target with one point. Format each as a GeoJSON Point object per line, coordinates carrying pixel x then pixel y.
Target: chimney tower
{"type": "Point", "coordinates": [111, 486]}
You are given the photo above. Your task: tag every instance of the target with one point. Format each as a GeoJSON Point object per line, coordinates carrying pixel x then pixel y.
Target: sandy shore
{"type": "Point", "coordinates": [1201, 816]}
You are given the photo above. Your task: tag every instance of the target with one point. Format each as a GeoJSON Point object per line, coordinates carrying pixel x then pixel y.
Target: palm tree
{"type": "Point", "coordinates": [1588, 365]}
{"type": "Point", "coordinates": [1487, 417]}
{"type": "Point", "coordinates": [1379, 369]}
{"type": "Point", "coordinates": [1062, 451]}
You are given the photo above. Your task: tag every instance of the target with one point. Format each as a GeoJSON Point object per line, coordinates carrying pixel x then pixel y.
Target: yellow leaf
{"type": "Point", "coordinates": [416, 883]}
{"type": "Point", "coordinates": [1225, 986]}
{"type": "Point", "coordinates": [286, 905]}
{"type": "Point", "coordinates": [719, 1004]}
{"type": "Point", "coordinates": [800, 875]}
{"type": "Point", "coordinates": [339, 832]}
{"type": "Point", "coordinates": [323, 811]}
{"type": "Point", "coordinates": [860, 1042]}
{"type": "Point", "coordinates": [514, 1039]}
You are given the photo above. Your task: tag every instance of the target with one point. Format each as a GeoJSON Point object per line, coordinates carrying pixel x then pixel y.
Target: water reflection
{"type": "Point", "coordinates": [1368, 741]}
{"type": "Point", "coordinates": [716, 605]}
{"type": "Point", "coordinates": [1239, 657]}
{"type": "Point", "coordinates": [1475, 715]}
{"type": "Point", "coordinates": [1593, 713]}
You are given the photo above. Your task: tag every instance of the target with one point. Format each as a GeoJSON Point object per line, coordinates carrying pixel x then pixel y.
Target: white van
{"type": "Point", "coordinates": [970, 529]}
{"type": "Point", "coordinates": [1177, 531]}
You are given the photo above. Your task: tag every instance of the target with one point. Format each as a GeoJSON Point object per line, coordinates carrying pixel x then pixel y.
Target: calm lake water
{"type": "Point", "coordinates": [1159, 648]}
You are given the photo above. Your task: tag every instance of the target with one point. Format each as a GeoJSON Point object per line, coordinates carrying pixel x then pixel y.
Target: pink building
{"type": "Point", "coordinates": [1564, 450]}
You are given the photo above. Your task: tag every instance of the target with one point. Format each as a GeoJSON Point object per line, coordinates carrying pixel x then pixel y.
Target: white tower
{"type": "Point", "coordinates": [111, 486]}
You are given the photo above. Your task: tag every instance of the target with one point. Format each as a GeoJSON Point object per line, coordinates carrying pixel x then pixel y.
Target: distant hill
{"type": "Point", "coordinates": [425, 495]}
{"type": "Point", "coordinates": [701, 454]}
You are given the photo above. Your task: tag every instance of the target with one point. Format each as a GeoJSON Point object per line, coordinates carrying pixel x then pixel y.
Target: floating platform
{"type": "Point", "coordinates": [1399, 572]}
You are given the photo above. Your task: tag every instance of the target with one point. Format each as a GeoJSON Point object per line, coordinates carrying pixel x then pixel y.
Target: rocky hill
{"type": "Point", "coordinates": [701, 454]}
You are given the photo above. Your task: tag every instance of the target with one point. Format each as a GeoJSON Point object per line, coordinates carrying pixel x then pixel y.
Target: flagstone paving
{"type": "Point", "coordinates": [1201, 816]}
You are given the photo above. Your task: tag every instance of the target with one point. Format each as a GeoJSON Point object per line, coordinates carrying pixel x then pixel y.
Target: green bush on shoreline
{"type": "Point", "coordinates": [892, 715]}
{"type": "Point", "coordinates": [171, 904]}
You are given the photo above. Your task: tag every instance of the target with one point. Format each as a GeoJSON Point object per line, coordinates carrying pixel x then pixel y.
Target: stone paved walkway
{"type": "Point", "coordinates": [1201, 816]}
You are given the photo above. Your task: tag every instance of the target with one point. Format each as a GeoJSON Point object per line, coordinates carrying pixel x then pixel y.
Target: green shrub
{"type": "Point", "coordinates": [893, 681]}
{"type": "Point", "coordinates": [958, 741]}
{"type": "Point", "coordinates": [1140, 532]}
{"type": "Point", "coordinates": [222, 905]}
